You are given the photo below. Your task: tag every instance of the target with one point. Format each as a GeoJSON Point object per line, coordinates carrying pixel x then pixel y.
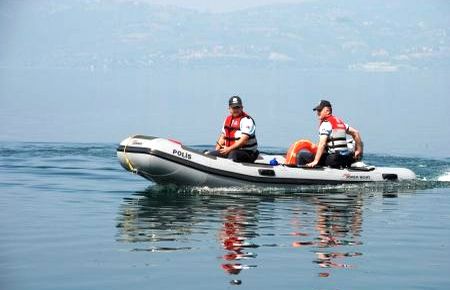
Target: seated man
{"type": "Point", "coordinates": [237, 140]}
{"type": "Point", "coordinates": [332, 149]}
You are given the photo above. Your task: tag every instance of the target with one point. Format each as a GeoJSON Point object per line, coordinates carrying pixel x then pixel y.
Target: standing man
{"type": "Point", "coordinates": [332, 149]}
{"type": "Point", "coordinates": [237, 140]}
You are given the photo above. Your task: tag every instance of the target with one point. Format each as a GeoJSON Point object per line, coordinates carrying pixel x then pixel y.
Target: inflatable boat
{"type": "Point", "coordinates": [166, 161]}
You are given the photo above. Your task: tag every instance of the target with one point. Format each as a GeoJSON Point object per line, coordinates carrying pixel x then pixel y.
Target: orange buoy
{"type": "Point", "coordinates": [291, 155]}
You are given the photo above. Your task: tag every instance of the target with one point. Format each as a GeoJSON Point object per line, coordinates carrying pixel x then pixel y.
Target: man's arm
{"type": "Point", "coordinates": [238, 144]}
{"type": "Point", "coordinates": [320, 149]}
{"type": "Point", "coordinates": [220, 143]}
{"type": "Point", "coordinates": [358, 142]}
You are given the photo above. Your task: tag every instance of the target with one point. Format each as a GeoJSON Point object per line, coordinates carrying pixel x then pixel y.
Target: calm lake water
{"type": "Point", "coordinates": [72, 218]}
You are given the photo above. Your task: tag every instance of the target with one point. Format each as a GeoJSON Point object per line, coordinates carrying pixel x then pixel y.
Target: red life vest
{"type": "Point", "coordinates": [232, 125]}
{"type": "Point", "coordinates": [337, 141]}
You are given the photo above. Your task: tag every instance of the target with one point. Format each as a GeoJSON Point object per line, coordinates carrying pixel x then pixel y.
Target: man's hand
{"type": "Point", "coordinates": [224, 150]}
{"type": "Point", "coordinates": [312, 164]}
{"type": "Point", "coordinates": [220, 143]}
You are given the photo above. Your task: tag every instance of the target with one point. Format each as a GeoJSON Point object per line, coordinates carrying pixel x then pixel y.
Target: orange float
{"type": "Point", "coordinates": [291, 155]}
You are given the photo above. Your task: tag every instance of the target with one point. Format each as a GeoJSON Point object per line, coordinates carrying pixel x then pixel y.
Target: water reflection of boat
{"type": "Point", "coordinates": [157, 219]}
{"type": "Point", "coordinates": [326, 224]}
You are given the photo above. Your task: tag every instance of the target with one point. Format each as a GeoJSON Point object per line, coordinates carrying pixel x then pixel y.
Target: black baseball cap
{"type": "Point", "coordinates": [235, 101]}
{"type": "Point", "coordinates": [321, 105]}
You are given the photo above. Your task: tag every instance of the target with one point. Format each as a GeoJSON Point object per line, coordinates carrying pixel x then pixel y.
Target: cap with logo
{"type": "Point", "coordinates": [235, 101]}
{"type": "Point", "coordinates": [321, 105]}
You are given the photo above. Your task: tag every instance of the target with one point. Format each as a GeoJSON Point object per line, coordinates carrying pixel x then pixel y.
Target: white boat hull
{"type": "Point", "coordinates": [167, 162]}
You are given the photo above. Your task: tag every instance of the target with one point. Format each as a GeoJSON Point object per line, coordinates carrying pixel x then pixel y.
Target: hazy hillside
{"type": "Point", "coordinates": [379, 36]}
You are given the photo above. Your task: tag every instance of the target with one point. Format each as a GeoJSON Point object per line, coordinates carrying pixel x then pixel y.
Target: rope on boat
{"type": "Point", "coordinates": [128, 161]}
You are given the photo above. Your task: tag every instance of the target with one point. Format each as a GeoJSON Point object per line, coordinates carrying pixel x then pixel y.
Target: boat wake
{"type": "Point", "coordinates": [445, 177]}
{"type": "Point", "coordinates": [377, 187]}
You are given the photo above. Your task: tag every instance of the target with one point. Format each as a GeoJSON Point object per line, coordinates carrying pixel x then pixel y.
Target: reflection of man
{"type": "Point", "coordinates": [332, 149]}
{"type": "Point", "coordinates": [237, 140]}
{"type": "Point", "coordinates": [337, 226]}
{"type": "Point", "coordinates": [234, 240]}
